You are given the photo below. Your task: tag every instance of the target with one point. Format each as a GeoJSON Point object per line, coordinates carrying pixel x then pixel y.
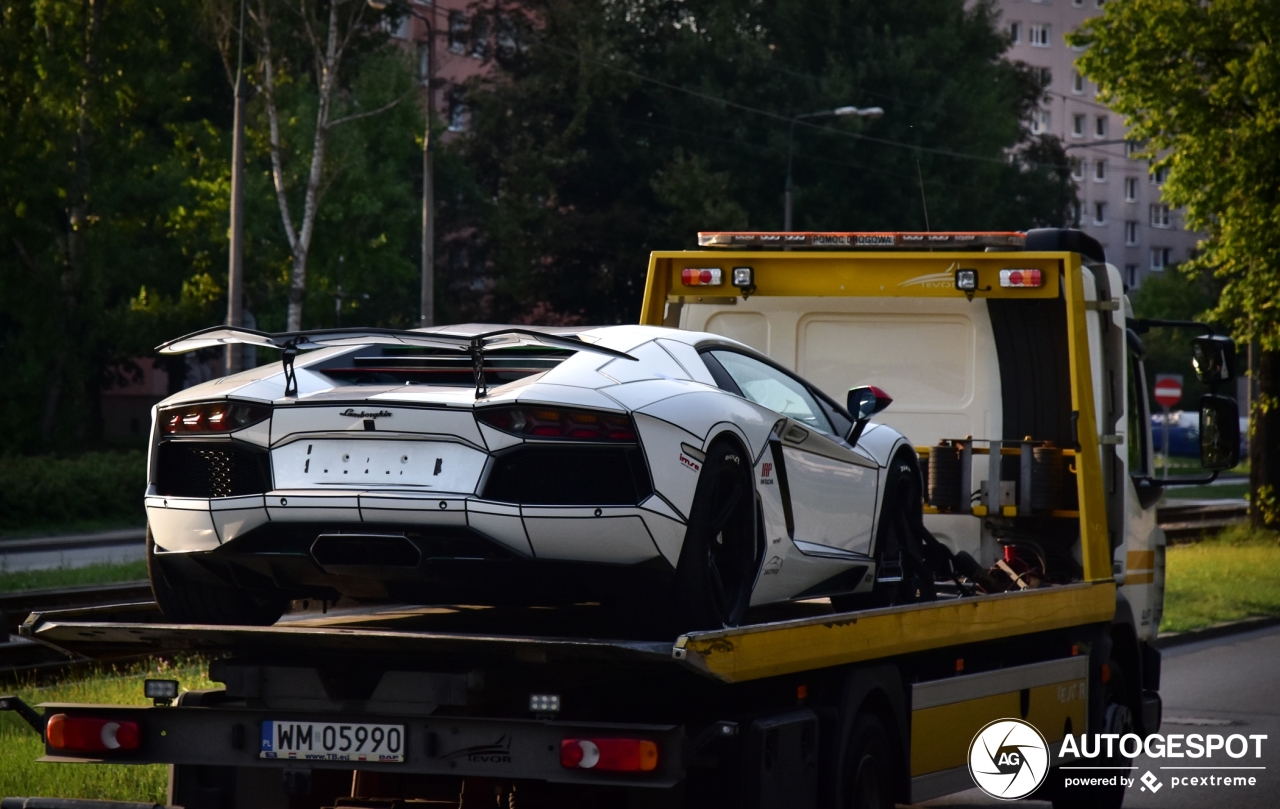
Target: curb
{"type": "Point", "coordinates": [1222, 630]}
{"type": "Point", "coordinates": [119, 536]}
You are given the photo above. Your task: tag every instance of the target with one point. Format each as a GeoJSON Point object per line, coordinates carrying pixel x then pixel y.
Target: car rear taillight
{"type": "Point", "coordinates": [609, 755]}
{"type": "Point", "coordinates": [89, 734]}
{"type": "Point", "coordinates": [560, 423]}
{"type": "Point", "coordinates": [210, 417]}
{"type": "Point", "coordinates": [701, 277]}
{"type": "Point", "coordinates": [1032, 279]}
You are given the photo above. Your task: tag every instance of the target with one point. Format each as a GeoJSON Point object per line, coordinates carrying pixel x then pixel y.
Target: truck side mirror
{"type": "Point", "coordinates": [1219, 432]}
{"type": "Point", "coordinates": [1214, 358]}
{"type": "Point", "coordinates": [863, 403]}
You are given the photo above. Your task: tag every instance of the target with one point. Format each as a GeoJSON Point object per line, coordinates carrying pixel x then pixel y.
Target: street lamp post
{"type": "Point", "coordinates": [860, 112]}
{"type": "Point", "coordinates": [427, 296]}
{"type": "Point", "coordinates": [235, 271]}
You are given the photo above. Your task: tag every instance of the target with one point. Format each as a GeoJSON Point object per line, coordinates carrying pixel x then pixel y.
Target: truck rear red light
{"type": "Point", "coordinates": [210, 417]}
{"type": "Point", "coordinates": [609, 755]}
{"type": "Point", "coordinates": [1031, 279]}
{"type": "Point", "coordinates": [701, 277]}
{"type": "Point", "coordinates": [561, 423]}
{"type": "Point", "coordinates": [88, 734]}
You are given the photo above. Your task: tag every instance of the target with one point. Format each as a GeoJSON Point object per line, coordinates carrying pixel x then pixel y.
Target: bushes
{"type": "Point", "coordinates": [93, 490]}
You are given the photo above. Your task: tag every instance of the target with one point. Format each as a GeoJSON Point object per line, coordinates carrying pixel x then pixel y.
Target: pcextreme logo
{"type": "Point", "coordinates": [1008, 759]}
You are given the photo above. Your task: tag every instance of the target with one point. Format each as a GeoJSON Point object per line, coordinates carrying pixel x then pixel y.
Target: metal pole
{"type": "Point", "coordinates": [428, 300]}
{"type": "Point", "coordinates": [1164, 440]}
{"type": "Point", "coordinates": [235, 271]}
{"type": "Point", "coordinates": [786, 214]}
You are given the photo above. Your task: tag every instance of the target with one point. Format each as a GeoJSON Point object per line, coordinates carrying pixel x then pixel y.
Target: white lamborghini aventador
{"type": "Point", "coordinates": [496, 465]}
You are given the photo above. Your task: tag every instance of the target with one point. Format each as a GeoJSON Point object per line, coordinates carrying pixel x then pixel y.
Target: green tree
{"type": "Point", "coordinates": [90, 94]}
{"type": "Point", "coordinates": [619, 128]}
{"type": "Point", "coordinates": [114, 185]}
{"type": "Point", "coordinates": [1201, 83]}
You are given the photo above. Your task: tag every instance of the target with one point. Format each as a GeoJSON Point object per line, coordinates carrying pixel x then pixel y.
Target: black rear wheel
{"type": "Point", "coordinates": [189, 600]}
{"type": "Point", "coordinates": [721, 553]}
{"type": "Point", "coordinates": [868, 766]}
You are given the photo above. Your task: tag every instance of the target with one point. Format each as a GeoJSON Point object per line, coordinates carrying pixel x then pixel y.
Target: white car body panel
{"type": "Point", "coordinates": [673, 478]}
{"type": "Point", "coordinates": [834, 501]}
{"type": "Point", "coordinates": [614, 536]}
{"type": "Point", "coordinates": [181, 524]}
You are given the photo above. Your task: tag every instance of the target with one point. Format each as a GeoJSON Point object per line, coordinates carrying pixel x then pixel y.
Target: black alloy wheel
{"type": "Point", "coordinates": [721, 553]}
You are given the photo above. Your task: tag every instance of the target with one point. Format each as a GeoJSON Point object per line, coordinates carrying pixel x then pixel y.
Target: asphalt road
{"type": "Point", "coordinates": [77, 550]}
{"type": "Point", "coordinates": [1228, 685]}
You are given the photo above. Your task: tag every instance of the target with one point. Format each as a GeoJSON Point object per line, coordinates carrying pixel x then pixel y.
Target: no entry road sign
{"type": "Point", "coordinates": [1168, 390]}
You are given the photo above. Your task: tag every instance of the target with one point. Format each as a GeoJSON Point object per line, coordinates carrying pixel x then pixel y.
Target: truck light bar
{"type": "Point", "coordinates": [854, 240]}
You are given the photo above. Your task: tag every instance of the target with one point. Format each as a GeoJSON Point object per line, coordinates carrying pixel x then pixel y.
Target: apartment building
{"type": "Point", "coordinates": [1120, 195]}
{"type": "Point", "coordinates": [452, 41]}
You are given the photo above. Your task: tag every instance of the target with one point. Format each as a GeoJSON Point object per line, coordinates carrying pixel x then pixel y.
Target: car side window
{"type": "Point", "coordinates": [771, 388]}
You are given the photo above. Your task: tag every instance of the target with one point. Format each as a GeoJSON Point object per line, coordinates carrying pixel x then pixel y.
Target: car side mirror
{"type": "Point", "coordinates": [1219, 432]}
{"type": "Point", "coordinates": [1214, 358]}
{"type": "Point", "coordinates": [866, 401]}
{"type": "Point", "coordinates": [863, 403]}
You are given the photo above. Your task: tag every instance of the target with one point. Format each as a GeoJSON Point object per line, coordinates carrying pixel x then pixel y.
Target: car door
{"type": "Point", "coordinates": [828, 488]}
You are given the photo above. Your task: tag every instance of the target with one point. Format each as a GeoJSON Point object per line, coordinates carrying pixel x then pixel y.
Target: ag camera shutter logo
{"type": "Point", "coordinates": [1008, 759]}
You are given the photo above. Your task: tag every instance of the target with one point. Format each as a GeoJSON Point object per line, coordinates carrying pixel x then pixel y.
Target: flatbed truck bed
{"type": "Point", "coordinates": [716, 704]}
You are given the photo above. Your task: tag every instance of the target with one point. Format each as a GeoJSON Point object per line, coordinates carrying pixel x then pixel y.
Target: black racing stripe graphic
{"type": "Point", "coordinates": [784, 487]}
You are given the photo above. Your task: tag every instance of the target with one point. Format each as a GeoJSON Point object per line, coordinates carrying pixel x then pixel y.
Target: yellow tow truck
{"type": "Point", "coordinates": [1016, 367]}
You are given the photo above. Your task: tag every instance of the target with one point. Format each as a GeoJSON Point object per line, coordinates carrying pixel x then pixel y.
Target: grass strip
{"type": "Point", "coordinates": [14, 581]}
{"type": "Point", "coordinates": [20, 773]}
{"type": "Point", "coordinates": [1227, 577]}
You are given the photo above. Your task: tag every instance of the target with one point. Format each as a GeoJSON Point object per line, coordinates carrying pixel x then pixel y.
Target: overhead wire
{"type": "Point", "coordinates": [789, 119]}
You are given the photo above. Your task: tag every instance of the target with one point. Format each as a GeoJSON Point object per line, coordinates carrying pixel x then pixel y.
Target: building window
{"type": "Point", "coordinates": [457, 111]}
{"type": "Point", "coordinates": [1131, 275]}
{"type": "Point", "coordinates": [1160, 258]}
{"type": "Point", "coordinates": [1078, 3]}
{"type": "Point", "coordinates": [1158, 176]}
{"type": "Point", "coordinates": [1100, 126]}
{"type": "Point", "coordinates": [402, 27]}
{"type": "Point", "coordinates": [1130, 233]}
{"type": "Point", "coordinates": [507, 37]}
{"type": "Point", "coordinates": [1045, 75]}
{"type": "Point", "coordinates": [1099, 3]}
{"type": "Point", "coordinates": [1077, 83]}
{"type": "Point", "coordinates": [1073, 215]}
{"type": "Point", "coordinates": [458, 32]}
{"type": "Point", "coordinates": [1130, 189]}
{"type": "Point", "coordinates": [479, 36]}
{"type": "Point", "coordinates": [1131, 148]}
{"type": "Point", "coordinates": [1077, 168]}
{"type": "Point", "coordinates": [1039, 35]}
{"type": "Point", "coordinates": [1041, 120]}
{"type": "Point", "coordinates": [1099, 171]}
{"type": "Point", "coordinates": [1099, 213]}
{"type": "Point", "coordinates": [1160, 216]}
{"type": "Point", "coordinates": [1077, 126]}
{"type": "Point", "coordinates": [1015, 32]}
